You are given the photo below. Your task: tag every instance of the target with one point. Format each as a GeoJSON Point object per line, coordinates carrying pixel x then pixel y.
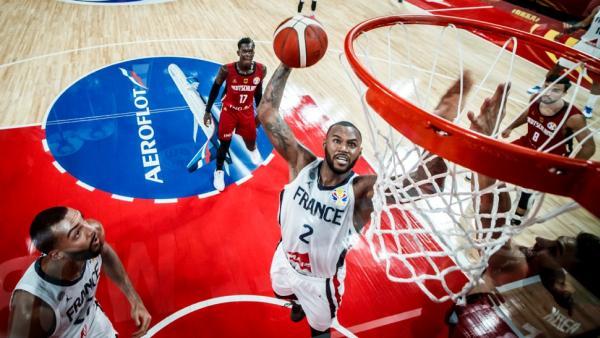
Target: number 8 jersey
{"type": "Point", "coordinates": [239, 91]}
{"type": "Point", "coordinates": [316, 222]}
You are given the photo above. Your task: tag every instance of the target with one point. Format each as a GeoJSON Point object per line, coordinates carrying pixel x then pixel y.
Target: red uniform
{"type": "Point", "coordinates": [540, 128]}
{"type": "Point", "coordinates": [238, 103]}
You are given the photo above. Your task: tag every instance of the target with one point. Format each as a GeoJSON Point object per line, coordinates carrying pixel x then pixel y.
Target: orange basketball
{"type": "Point", "coordinates": [300, 41]}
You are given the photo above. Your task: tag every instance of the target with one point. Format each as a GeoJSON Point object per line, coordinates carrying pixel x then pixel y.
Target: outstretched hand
{"type": "Point", "coordinates": [141, 317]}
{"type": "Point", "coordinates": [487, 119]}
{"type": "Point", "coordinates": [448, 107]}
{"type": "Point", "coordinates": [569, 28]}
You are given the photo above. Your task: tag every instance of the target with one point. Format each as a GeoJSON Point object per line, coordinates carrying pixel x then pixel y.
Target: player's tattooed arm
{"type": "Point", "coordinates": [278, 131]}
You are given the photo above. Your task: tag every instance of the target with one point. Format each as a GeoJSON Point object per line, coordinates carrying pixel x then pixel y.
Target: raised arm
{"type": "Point", "coordinates": [447, 108]}
{"type": "Point", "coordinates": [214, 92]}
{"type": "Point", "coordinates": [258, 92]}
{"type": "Point", "coordinates": [568, 28]}
{"type": "Point", "coordinates": [582, 134]}
{"type": "Point", "coordinates": [515, 124]}
{"type": "Point", "coordinates": [115, 271]}
{"type": "Point", "coordinates": [485, 123]}
{"type": "Point", "coordinates": [277, 130]}
{"type": "Point", "coordinates": [30, 317]}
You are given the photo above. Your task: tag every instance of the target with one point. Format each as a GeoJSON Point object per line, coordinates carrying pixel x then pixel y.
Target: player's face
{"type": "Point", "coordinates": [78, 238]}
{"type": "Point", "coordinates": [554, 93]}
{"type": "Point", "coordinates": [342, 149]}
{"type": "Point", "coordinates": [246, 53]}
{"type": "Point", "coordinates": [560, 251]}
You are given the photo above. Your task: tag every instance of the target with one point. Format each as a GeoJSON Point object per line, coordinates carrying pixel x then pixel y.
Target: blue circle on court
{"type": "Point", "coordinates": [135, 129]}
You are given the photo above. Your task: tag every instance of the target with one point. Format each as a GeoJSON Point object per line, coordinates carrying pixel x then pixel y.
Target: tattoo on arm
{"type": "Point", "coordinates": [280, 134]}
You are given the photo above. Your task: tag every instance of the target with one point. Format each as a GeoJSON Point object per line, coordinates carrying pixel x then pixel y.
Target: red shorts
{"type": "Point", "coordinates": [241, 121]}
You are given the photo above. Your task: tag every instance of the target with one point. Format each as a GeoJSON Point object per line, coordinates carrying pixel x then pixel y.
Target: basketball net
{"type": "Point", "coordinates": [428, 226]}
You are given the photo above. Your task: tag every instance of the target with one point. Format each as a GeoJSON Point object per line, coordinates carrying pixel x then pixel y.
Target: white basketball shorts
{"type": "Point", "coordinates": [101, 326]}
{"type": "Point", "coordinates": [320, 297]}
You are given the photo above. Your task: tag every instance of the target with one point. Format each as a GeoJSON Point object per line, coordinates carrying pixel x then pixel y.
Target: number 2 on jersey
{"type": "Point", "coordinates": [309, 231]}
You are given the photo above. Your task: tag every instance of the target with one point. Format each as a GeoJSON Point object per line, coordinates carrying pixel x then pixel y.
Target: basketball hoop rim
{"type": "Point", "coordinates": [578, 179]}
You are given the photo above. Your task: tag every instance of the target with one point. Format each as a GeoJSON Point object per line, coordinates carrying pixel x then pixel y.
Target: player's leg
{"type": "Point", "coordinates": [320, 299]}
{"type": "Point", "coordinates": [227, 124]}
{"type": "Point", "coordinates": [281, 283]}
{"type": "Point", "coordinates": [101, 326]}
{"type": "Point", "coordinates": [246, 128]}
{"type": "Point", "coordinates": [320, 334]}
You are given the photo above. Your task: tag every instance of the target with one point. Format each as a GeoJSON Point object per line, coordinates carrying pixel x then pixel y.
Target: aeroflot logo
{"type": "Point", "coordinates": [149, 152]}
{"type": "Point", "coordinates": [133, 77]}
{"type": "Point", "coordinates": [135, 129]}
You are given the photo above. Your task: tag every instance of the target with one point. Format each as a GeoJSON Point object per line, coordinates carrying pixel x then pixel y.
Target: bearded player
{"type": "Point", "coordinates": [322, 206]}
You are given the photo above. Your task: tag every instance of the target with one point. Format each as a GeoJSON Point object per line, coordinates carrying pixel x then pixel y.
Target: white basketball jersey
{"type": "Point", "coordinates": [316, 222]}
{"type": "Point", "coordinates": [73, 302]}
{"type": "Point", "coordinates": [592, 36]}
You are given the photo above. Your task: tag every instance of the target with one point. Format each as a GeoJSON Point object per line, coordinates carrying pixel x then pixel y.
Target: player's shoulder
{"type": "Point", "coordinates": [225, 67]}
{"type": "Point", "coordinates": [31, 310]}
{"type": "Point", "coordinates": [263, 67]}
{"type": "Point", "coordinates": [363, 185]}
{"type": "Point", "coordinates": [24, 301]}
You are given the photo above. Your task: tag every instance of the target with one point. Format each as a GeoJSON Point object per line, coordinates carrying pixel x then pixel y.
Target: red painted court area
{"type": "Point", "coordinates": [197, 250]}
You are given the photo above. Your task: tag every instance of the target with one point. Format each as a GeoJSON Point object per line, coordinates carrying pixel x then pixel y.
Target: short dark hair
{"type": "Point", "coordinates": [588, 256]}
{"type": "Point", "coordinates": [554, 76]}
{"type": "Point", "coordinates": [40, 232]}
{"type": "Point", "coordinates": [345, 124]}
{"type": "Point", "coordinates": [244, 41]}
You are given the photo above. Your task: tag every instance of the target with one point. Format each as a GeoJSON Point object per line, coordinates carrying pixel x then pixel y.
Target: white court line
{"type": "Point", "coordinates": [59, 167]}
{"type": "Point", "coordinates": [85, 186]}
{"type": "Point", "coordinates": [223, 300]}
{"type": "Point", "coordinates": [459, 8]}
{"type": "Point", "coordinates": [165, 200]}
{"type": "Point", "coordinates": [268, 159]}
{"type": "Point", "coordinates": [386, 320]}
{"type": "Point", "coordinates": [208, 194]}
{"type": "Point", "coordinates": [37, 124]}
{"type": "Point", "coordinates": [243, 179]}
{"type": "Point", "coordinates": [519, 284]}
{"type": "Point", "coordinates": [350, 332]}
{"type": "Point", "coordinates": [45, 145]}
{"type": "Point", "coordinates": [122, 198]}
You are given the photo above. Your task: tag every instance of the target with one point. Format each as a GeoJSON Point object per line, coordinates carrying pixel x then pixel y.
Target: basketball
{"type": "Point", "coordinates": [300, 41]}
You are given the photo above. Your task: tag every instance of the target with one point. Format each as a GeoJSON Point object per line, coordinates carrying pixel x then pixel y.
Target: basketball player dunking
{"type": "Point", "coordinates": [244, 87]}
{"type": "Point", "coordinates": [322, 206]}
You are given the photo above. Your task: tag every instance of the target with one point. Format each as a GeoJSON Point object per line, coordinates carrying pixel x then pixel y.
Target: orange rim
{"type": "Point", "coordinates": [578, 179]}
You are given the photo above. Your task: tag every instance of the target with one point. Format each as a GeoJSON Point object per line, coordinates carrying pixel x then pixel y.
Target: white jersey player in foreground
{"type": "Point", "coordinates": [56, 297]}
{"type": "Point", "coordinates": [324, 203]}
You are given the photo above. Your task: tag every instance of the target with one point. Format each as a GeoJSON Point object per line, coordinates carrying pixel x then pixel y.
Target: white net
{"type": "Point", "coordinates": [436, 223]}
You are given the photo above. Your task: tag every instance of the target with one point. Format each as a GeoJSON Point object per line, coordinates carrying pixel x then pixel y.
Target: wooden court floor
{"type": "Point", "coordinates": [48, 45]}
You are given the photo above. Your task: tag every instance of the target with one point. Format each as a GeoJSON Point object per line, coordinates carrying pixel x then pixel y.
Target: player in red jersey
{"type": "Point", "coordinates": [546, 130]}
{"type": "Point", "coordinates": [244, 87]}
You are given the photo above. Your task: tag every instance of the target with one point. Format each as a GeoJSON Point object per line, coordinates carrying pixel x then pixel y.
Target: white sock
{"type": "Point", "coordinates": [591, 102]}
